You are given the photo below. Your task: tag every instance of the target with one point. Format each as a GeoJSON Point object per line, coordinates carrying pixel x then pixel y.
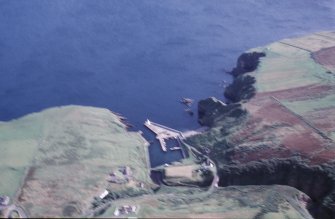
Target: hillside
{"type": "Point", "coordinates": [53, 163]}
{"type": "Point", "coordinates": [263, 202]}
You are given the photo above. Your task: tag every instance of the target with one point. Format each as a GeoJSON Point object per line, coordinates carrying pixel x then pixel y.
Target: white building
{"type": "Point", "coordinates": [104, 194]}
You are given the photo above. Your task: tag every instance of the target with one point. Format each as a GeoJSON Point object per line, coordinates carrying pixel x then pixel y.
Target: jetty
{"type": "Point", "coordinates": [163, 133]}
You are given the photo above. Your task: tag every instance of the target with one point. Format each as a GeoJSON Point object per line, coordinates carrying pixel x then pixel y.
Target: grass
{"type": "Point", "coordinates": [229, 202]}
{"type": "Point", "coordinates": [68, 152]}
{"type": "Point", "coordinates": [313, 42]}
{"type": "Point", "coordinates": [287, 67]}
{"type": "Point", "coordinates": [18, 143]}
{"type": "Point", "coordinates": [10, 179]}
{"type": "Point", "coordinates": [181, 171]}
{"type": "Point", "coordinates": [304, 106]}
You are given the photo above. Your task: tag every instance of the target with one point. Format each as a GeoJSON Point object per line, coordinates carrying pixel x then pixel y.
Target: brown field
{"type": "Point", "coordinates": [325, 123]}
{"type": "Point", "coordinates": [325, 57]}
{"type": "Point", "coordinates": [323, 156]}
{"type": "Point", "coordinates": [301, 93]}
{"type": "Point", "coordinates": [283, 132]}
{"type": "Point", "coordinates": [303, 121]}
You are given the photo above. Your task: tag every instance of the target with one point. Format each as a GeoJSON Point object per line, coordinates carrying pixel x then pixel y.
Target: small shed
{"type": "Point", "coordinates": [104, 194]}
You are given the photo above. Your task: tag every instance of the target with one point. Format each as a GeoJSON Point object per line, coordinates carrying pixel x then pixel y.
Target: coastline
{"type": "Point", "coordinates": [252, 161]}
{"type": "Point", "coordinates": [284, 71]}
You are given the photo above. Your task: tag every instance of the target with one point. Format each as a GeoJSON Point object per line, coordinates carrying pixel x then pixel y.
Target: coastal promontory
{"type": "Point", "coordinates": [284, 129]}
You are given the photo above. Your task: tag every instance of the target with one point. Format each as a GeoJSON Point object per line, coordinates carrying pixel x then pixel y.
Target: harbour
{"type": "Point", "coordinates": [130, 64]}
{"type": "Point", "coordinates": [166, 134]}
{"type": "Point", "coordinates": [163, 133]}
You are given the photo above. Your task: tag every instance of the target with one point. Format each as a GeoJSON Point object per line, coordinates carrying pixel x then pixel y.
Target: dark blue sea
{"type": "Point", "coordinates": [137, 57]}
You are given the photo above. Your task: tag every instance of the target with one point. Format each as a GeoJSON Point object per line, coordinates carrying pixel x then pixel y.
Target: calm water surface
{"type": "Point", "coordinates": [136, 57]}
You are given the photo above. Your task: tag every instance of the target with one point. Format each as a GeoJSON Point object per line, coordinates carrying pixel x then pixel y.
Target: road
{"type": "Point", "coordinates": [216, 176]}
{"type": "Point", "coordinates": [15, 208]}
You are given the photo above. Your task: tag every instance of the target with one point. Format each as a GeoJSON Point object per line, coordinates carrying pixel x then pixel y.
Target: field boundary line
{"type": "Point", "coordinates": [288, 44]}
{"type": "Point", "coordinates": [318, 131]}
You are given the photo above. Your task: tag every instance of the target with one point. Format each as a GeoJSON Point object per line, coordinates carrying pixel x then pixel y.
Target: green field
{"type": "Point", "coordinates": [308, 105]}
{"type": "Point", "coordinates": [62, 157]}
{"type": "Point", "coordinates": [230, 202]}
{"type": "Point", "coordinates": [288, 67]}
{"type": "Point", "coordinates": [18, 143]}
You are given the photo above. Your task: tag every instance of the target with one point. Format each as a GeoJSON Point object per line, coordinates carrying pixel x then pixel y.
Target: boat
{"type": "Point", "coordinates": [175, 148]}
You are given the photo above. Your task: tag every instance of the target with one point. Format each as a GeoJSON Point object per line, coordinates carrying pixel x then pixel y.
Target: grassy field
{"type": "Point", "coordinates": [181, 171]}
{"type": "Point", "coordinates": [61, 157]}
{"type": "Point", "coordinates": [304, 106]}
{"type": "Point", "coordinates": [18, 143]}
{"type": "Point", "coordinates": [288, 67]}
{"type": "Point", "coordinates": [230, 202]}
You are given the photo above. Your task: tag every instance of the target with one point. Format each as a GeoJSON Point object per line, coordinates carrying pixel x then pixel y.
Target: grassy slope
{"type": "Point", "coordinates": [286, 67]}
{"type": "Point", "coordinates": [230, 202]}
{"type": "Point", "coordinates": [18, 143]}
{"type": "Point", "coordinates": [68, 153]}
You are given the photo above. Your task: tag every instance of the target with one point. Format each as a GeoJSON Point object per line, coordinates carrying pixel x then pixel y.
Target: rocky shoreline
{"type": "Point", "coordinates": [245, 148]}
